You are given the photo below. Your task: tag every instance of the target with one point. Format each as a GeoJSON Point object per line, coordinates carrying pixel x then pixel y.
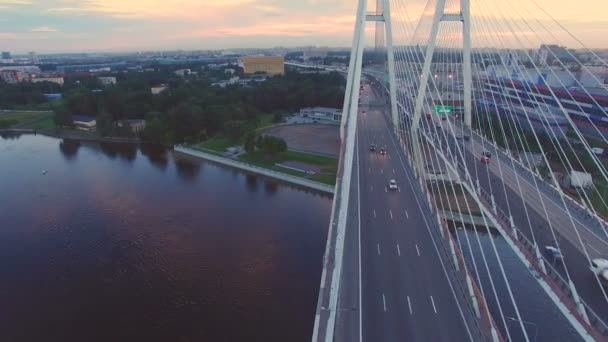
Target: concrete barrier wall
{"type": "Point", "coordinates": [325, 188]}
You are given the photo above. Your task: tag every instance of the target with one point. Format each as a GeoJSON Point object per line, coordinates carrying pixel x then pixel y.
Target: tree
{"type": "Point", "coordinates": [234, 130]}
{"type": "Point", "coordinates": [63, 117]}
{"type": "Point", "coordinates": [105, 124]}
{"type": "Point", "coordinates": [249, 141]}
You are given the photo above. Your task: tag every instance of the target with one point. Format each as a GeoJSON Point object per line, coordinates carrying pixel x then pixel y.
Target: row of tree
{"type": "Point", "coordinates": [193, 109]}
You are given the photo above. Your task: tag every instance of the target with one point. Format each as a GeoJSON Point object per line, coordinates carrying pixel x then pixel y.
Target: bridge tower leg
{"type": "Point", "coordinates": [440, 16]}
{"type": "Point", "coordinates": [383, 16]}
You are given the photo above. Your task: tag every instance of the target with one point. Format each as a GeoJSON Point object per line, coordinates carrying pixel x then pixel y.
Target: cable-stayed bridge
{"type": "Point", "coordinates": [483, 121]}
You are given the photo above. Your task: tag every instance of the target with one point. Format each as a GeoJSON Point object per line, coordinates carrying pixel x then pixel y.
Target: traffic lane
{"type": "Point", "coordinates": [554, 206]}
{"type": "Point", "coordinates": [382, 315]}
{"type": "Point", "coordinates": [432, 288]}
{"type": "Point", "coordinates": [419, 299]}
{"type": "Point", "coordinates": [576, 262]}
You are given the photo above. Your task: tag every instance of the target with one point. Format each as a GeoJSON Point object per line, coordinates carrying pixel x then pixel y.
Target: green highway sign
{"type": "Point", "coordinates": [443, 109]}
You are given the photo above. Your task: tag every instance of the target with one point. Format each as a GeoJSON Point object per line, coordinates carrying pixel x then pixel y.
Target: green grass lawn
{"type": "Point", "coordinates": [599, 199]}
{"type": "Point", "coordinates": [44, 124]}
{"type": "Point", "coordinates": [217, 144]}
{"type": "Point", "coordinates": [20, 117]}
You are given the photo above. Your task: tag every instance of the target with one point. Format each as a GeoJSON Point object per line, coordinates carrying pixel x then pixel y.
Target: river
{"type": "Point", "coordinates": [109, 242]}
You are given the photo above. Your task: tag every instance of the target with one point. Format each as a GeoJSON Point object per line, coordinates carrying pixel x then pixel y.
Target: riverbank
{"type": "Point", "coordinates": [321, 187]}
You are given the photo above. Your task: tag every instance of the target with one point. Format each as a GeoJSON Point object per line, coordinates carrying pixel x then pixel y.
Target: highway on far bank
{"type": "Point", "coordinates": [395, 286]}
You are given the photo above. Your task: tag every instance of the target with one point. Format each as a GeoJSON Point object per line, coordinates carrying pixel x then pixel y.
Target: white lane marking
{"type": "Point", "coordinates": [398, 250]}
{"type": "Point", "coordinates": [399, 189]}
{"type": "Point", "coordinates": [374, 213]}
{"type": "Point", "coordinates": [406, 215]}
{"type": "Point", "coordinates": [433, 302]}
{"type": "Point", "coordinates": [369, 170]}
{"type": "Point", "coordinates": [394, 171]}
{"type": "Point", "coordinates": [384, 301]}
{"type": "Point", "coordinates": [417, 250]}
{"type": "Point", "coordinates": [598, 252]}
{"type": "Point", "coordinates": [372, 188]}
{"type": "Point", "coordinates": [359, 231]}
{"type": "Point", "coordinates": [381, 171]}
{"type": "Point", "coordinates": [378, 245]}
{"type": "Point", "coordinates": [385, 189]}
{"type": "Point", "coordinates": [409, 303]}
{"type": "Point", "coordinates": [390, 212]}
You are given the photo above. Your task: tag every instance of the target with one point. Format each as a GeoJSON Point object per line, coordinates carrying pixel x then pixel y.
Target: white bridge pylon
{"type": "Point", "coordinates": [463, 16]}
{"type": "Point", "coordinates": [358, 42]}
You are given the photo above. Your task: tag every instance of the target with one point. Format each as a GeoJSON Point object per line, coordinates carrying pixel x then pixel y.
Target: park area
{"type": "Point", "coordinates": [312, 151]}
{"type": "Point", "coordinates": [17, 118]}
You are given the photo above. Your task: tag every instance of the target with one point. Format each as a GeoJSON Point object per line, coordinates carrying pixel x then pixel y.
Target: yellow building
{"type": "Point", "coordinates": [268, 64]}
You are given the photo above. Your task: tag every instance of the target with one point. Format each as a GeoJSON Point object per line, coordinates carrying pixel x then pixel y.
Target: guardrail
{"type": "Point", "coordinates": [325, 188]}
{"type": "Point", "coordinates": [572, 202]}
{"type": "Point", "coordinates": [552, 276]}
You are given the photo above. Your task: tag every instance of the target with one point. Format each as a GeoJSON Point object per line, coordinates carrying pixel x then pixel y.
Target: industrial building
{"type": "Point", "coordinates": [273, 65]}
{"type": "Point", "coordinates": [322, 113]}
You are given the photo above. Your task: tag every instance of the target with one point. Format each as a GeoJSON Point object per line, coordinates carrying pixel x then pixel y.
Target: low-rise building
{"type": "Point", "coordinates": [85, 123]}
{"type": "Point", "coordinates": [136, 125]}
{"type": "Point", "coordinates": [322, 113]}
{"type": "Point", "coordinates": [183, 72]}
{"type": "Point", "coordinates": [273, 65]}
{"type": "Point", "coordinates": [57, 80]}
{"type": "Point", "coordinates": [11, 76]}
{"type": "Point", "coordinates": [107, 80]}
{"type": "Point", "coordinates": [158, 89]}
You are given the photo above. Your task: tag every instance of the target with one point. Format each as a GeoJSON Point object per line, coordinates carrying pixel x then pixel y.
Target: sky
{"type": "Point", "coordinates": [134, 25]}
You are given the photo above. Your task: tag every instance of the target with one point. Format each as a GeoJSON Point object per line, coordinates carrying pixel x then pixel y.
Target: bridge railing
{"type": "Point", "coordinates": [552, 276]}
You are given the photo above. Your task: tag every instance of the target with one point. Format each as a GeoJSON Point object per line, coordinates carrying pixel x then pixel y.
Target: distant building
{"type": "Point", "coordinates": [224, 83]}
{"type": "Point", "coordinates": [6, 57]}
{"type": "Point", "coordinates": [11, 76]}
{"type": "Point", "coordinates": [34, 58]}
{"type": "Point", "coordinates": [107, 80]}
{"type": "Point", "coordinates": [58, 80]}
{"type": "Point", "coordinates": [183, 72]}
{"type": "Point", "coordinates": [547, 54]}
{"type": "Point", "coordinates": [85, 123]}
{"type": "Point", "coordinates": [136, 126]}
{"type": "Point", "coordinates": [322, 113]}
{"type": "Point", "coordinates": [158, 89]}
{"type": "Point", "coordinates": [274, 65]}
{"type": "Point", "coordinates": [53, 96]}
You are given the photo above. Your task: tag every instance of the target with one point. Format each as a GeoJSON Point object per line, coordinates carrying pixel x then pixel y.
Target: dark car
{"type": "Point", "coordinates": [372, 147]}
{"type": "Point", "coordinates": [383, 151]}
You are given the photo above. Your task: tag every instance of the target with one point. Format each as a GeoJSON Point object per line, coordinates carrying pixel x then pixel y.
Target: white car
{"type": "Point", "coordinates": [392, 185]}
{"type": "Point", "coordinates": [598, 266]}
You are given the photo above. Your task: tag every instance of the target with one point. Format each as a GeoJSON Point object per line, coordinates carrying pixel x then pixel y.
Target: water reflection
{"type": "Point", "coordinates": [157, 155]}
{"type": "Point", "coordinates": [127, 152]}
{"type": "Point", "coordinates": [69, 148]}
{"type": "Point", "coordinates": [252, 182]}
{"type": "Point", "coordinates": [187, 170]}
{"type": "Point", "coordinates": [132, 254]}
{"type": "Point", "coordinates": [10, 135]}
{"type": "Point", "coordinates": [271, 186]}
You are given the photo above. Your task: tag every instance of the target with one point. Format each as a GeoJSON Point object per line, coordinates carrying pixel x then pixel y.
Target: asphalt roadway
{"type": "Point", "coordinates": [538, 213]}
{"type": "Point", "coordinates": [395, 286]}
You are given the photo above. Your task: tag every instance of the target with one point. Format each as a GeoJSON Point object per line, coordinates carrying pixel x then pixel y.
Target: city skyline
{"type": "Point", "coordinates": [114, 25]}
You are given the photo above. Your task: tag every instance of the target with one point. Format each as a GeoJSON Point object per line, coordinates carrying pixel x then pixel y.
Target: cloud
{"type": "Point", "coordinates": [8, 35]}
{"type": "Point", "coordinates": [150, 8]}
{"type": "Point", "coordinates": [43, 29]}
{"type": "Point", "coordinates": [15, 2]}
